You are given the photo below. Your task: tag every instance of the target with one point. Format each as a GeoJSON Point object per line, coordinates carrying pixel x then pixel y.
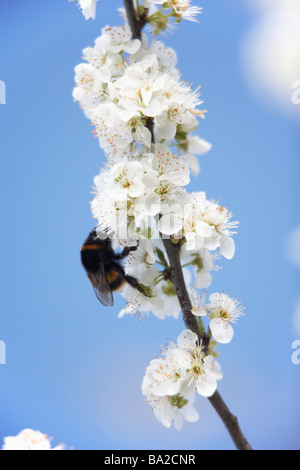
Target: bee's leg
{"type": "Point", "coordinates": [134, 283]}
{"type": "Point", "coordinates": [126, 251]}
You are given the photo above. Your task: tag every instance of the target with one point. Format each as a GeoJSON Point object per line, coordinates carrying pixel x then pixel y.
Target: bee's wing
{"type": "Point", "coordinates": [101, 287]}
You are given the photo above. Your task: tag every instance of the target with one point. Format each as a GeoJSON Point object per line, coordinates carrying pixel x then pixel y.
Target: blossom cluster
{"type": "Point", "coordinates": [171, 380]}
{"type": "Point", "coordinates": [122, 86]}
{"type": "Point", "coordinates": [157, 17]}
{"type": "Point", "coordinates": [28, 439]}
{"type": "Point", "coordinates": [145, 118]}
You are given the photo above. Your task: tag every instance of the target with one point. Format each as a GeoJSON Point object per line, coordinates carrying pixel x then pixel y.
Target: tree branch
{"type": "Point", "coordinates": [173, 251]}
{"type": "Point", "coordinates": [136, 25]}
{"type": "Point", "coordinates": [229, 420]}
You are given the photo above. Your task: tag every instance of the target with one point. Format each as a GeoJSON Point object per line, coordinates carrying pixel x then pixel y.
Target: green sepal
{"type": "Point", "coordinates": [178, 401]}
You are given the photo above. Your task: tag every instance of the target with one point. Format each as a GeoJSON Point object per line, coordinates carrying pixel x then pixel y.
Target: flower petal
{"type": "Point", "coordinates": [206, 385]}
{"type": "Point", "coordinates": [221, 330]}
{"type": "Point", "coordinates": [227, 246]}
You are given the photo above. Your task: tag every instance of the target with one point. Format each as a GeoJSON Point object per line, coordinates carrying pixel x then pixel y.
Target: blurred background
{"type": "Point", "coordinates": [74, 370]}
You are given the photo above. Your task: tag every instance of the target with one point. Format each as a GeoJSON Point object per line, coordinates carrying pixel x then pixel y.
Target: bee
{"type": "Point", "coordinates": [104, 269]}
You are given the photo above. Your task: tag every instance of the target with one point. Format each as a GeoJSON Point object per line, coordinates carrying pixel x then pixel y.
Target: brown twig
{"type": "Point", "coordinates": [136, 25]}
{"type": "Point", "coordinates": [173, 251]}
{"type": "Point", "coordinates": [229, 420]}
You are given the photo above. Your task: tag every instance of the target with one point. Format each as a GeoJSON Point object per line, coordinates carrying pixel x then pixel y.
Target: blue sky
{"type": "Point", "coordinates": [74, 370]}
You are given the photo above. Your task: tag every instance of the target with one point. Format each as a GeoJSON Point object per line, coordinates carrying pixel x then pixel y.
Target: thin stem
{"type": "Point", "coordinates": [186, 265]}
{"type": "Point", "coordinates": [173, 251]}
{"type": "Point", "coordinates": [158, 15]}
{"type": "Point", "coordinates": [138, 7]}
{"type": "Point", "coordinates": [161, 264]}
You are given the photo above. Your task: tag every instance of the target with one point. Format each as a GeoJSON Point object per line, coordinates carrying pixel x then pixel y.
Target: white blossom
{"type": "Point", "coordinates": [141, 263]}
{"type": "Point", "coordinates": [138, 303]}
{"type": "Point", "coordinates": [198, 303]}
{"type": "Point", "coordinates": [202, 272]}
{"type": "Point", "coordinates": [166, 56]}
{"type": "Point", "coordinates": [183, 369]}
{"type": "Point", "coordinates": [165, 175]}
{"type": "Point", "coordinates": [120, 94]}
{"type": "Point", "coordinates": [160, 300]}
{"type": "Point", "coordinates": [125, 180]}
{"type": "Point", "coordinates": [196, 147]}
{"type": "Point", "coordinates": [202, 371]}
{"type": "Point", "coordinates": [88, 8]}
{"type": "Point", "coordinates": [223, 311]}
{"type": "Point", "coordinates": [145, 118]}
{"type": "Point", "coordinates": [207, 225]}
{"type": "Point", "coordinates": [169, 409]}
{"type": "Point", "coordinates": [131, 189]}
{"type": "Point", "coordinates": [143, 183]}
{"type": "Point", "coordinates": [29, 439]}
{"type": "Point", "coordinates": [182, 8]}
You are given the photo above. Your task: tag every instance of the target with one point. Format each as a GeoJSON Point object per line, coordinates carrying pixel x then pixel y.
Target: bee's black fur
{"type": "Point", "coordinates": [103, 266]}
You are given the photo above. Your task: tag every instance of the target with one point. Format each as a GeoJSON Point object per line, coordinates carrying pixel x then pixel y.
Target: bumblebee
{"type": "Point", "coordinates": [103, 267]}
